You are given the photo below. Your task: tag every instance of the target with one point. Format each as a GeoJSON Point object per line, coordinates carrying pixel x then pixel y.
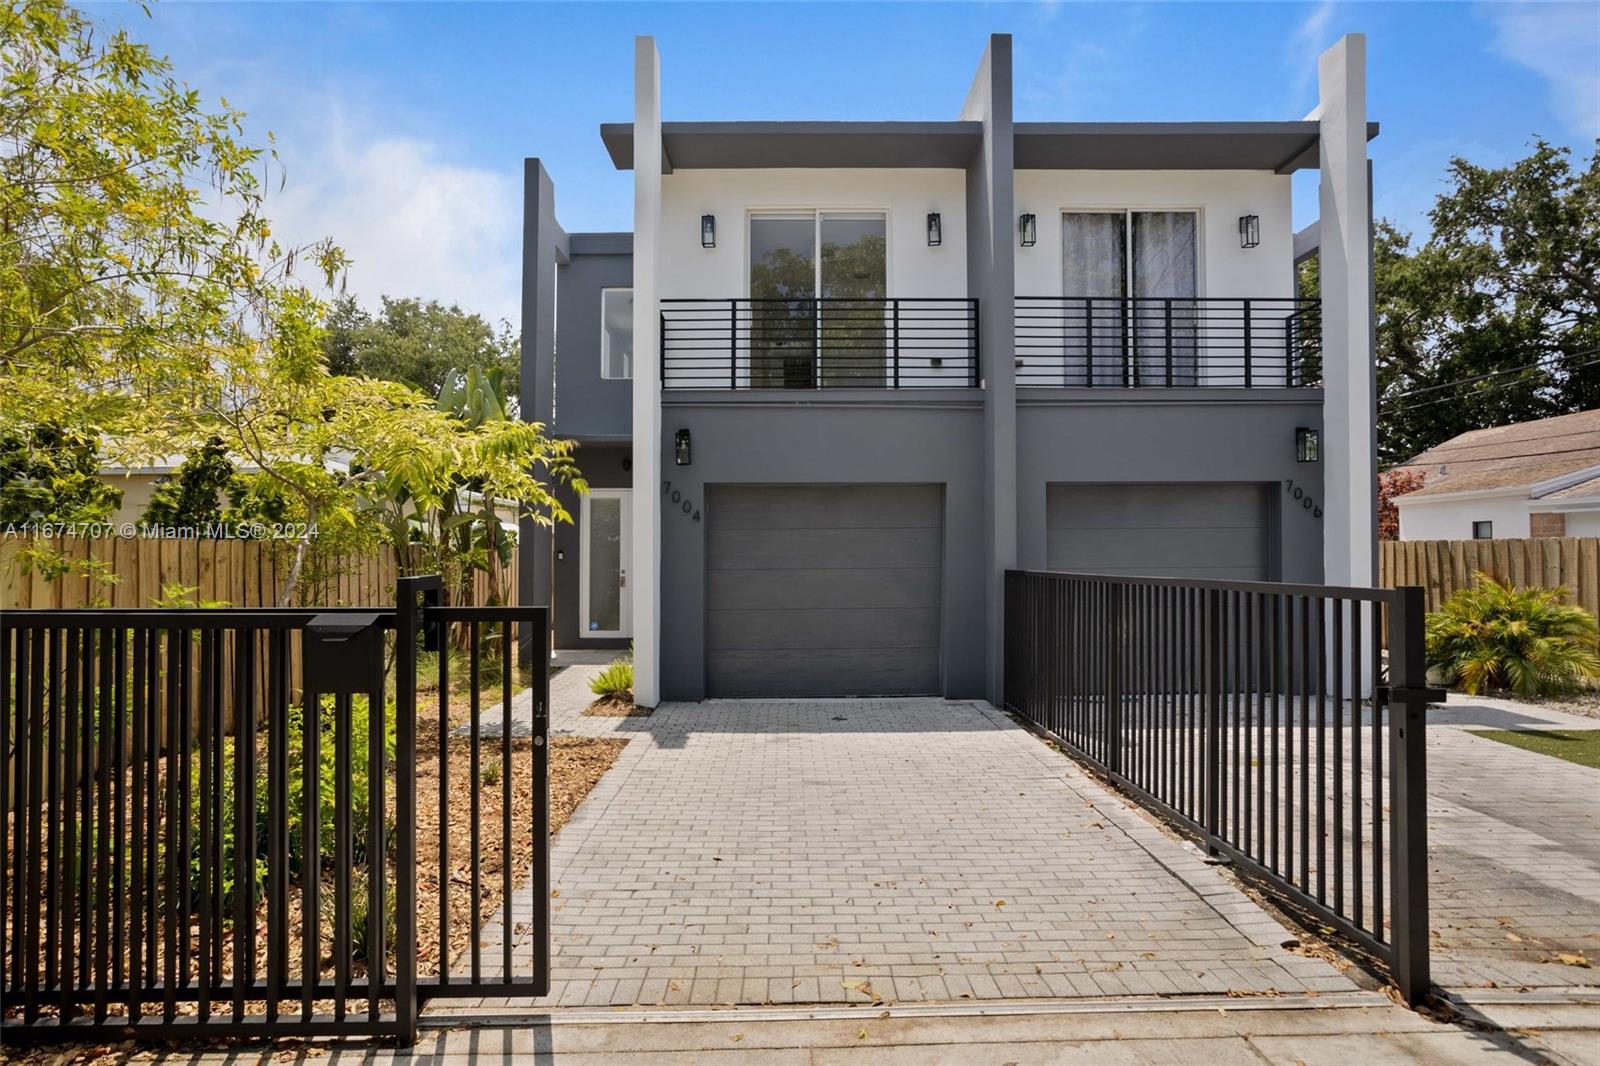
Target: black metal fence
{"type": "Point", "coordinates": [1168, 342]}
{"type": "Point", "coordinates": [192, 847]}
{"type": "Point", "coordinates": [1256, 715]}
{"type": "Point", "coordinates": [808, 343]}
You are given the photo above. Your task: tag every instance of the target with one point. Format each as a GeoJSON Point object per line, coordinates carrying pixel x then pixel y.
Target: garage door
{"type": "Point", "coordinates": [823, 590]}
{"type": "Point", "coordinates": [1216, 531]}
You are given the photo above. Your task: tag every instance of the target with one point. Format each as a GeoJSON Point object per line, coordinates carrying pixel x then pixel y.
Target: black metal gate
{"type": "Point", "coordinates": [159, 872]}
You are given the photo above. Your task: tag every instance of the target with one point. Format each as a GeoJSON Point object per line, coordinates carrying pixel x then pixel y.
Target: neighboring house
{"type": "Point", "coordinates": [876, 364]}
{"type": "Point", "coordinates": [1530, 479]}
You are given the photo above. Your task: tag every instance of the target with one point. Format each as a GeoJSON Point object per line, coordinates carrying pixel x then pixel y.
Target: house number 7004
{"type": "Point", "coordinates": [680, 500]}
{"type": "Point", "coordinates": [1303, 497]}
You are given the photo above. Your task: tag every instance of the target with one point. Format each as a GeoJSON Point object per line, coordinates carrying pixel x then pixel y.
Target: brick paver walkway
{"type": "Point", "coordinates": [1514, 864]}
{"type": "Point", "coordinates": [902, 850]}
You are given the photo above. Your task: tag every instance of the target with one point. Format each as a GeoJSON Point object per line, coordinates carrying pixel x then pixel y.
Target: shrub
{"type": "Point", "coordinates": [1494, 637]}
{"type": "Point", "coordinates": [615, 680]}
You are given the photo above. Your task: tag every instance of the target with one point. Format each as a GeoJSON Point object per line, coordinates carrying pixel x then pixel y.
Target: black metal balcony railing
{"type": "Point", "coordinates": [900, 343]}
{"type": "Point", "coordinates": [1154, 342]}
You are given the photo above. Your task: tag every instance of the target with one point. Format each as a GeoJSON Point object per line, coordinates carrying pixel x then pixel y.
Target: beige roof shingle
{"type": "Point", "coordinates": [1515, 456]}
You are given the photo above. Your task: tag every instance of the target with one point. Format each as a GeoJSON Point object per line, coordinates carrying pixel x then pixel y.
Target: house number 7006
{"type": "Point", "coordinates": [680, 500]}
{"type": "Point", "coordinates": [1303, 497]}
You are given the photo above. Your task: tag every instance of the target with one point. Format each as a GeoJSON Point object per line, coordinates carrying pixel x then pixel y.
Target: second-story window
{"type": "Point", "coordinates": [1122, 271]}
{"type": "Point", "coordinates": [616, 333]}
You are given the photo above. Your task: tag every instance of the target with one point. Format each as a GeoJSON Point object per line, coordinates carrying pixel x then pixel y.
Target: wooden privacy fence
{"type": "Point", "coordinates": [239, 573]}
{"type": "Point", "coordinates": [236, 574]}
{"type": "Point", "coordinates": [1441, 567]}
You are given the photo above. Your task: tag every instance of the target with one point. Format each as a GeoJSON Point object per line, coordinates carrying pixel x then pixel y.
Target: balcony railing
{"type": "Point", "coordinates": [1153, 342]}
{"type": "Point", "coordinates": [900, 343]}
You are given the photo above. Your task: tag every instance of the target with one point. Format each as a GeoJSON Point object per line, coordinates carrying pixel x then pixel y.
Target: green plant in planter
{"type": "Point", "coordinates": [1494, 637]}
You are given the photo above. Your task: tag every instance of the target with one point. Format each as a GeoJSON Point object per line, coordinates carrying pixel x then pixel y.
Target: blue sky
{"type": "Point", "coordinates": [402, 126]}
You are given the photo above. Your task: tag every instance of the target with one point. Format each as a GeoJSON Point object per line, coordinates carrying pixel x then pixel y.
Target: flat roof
{"type": "Point", "coordinates": [1282, 147]}
{"type": "Point", "coordinates": [747, 145]}
{"type": "Point", "coordinates": [600, 243]}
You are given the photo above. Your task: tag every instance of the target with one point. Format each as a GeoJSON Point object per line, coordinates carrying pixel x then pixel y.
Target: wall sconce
{"type": "Point", "coordinates": [680, 447]}
{"type": "Point", "coordinates": [1307, 445]}
{"type": "Point", "coordinates": [708, 231]}
{"type": "Point", "coordinates": [1249, 231]}
{"type": "Point", "coordinates": [1029, 227]}
{"type": "Point", "coordinates": [935, 233]}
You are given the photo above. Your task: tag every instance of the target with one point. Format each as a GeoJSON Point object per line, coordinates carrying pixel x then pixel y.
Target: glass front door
{"type": "Point", "coordinates": [605, 602]}
{"type": "Point", "coordinates": [818, 282]}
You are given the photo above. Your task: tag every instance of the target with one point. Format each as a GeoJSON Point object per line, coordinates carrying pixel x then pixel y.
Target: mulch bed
{"type": "Point", "coordinates": [617, 705]}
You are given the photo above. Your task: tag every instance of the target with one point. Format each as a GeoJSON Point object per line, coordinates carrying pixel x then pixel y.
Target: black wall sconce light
{"type": "Point", "coordinates": [935, 232]}
{"type": "Point", "coordinates": [1307, 445]}
{"type": "Point", "coordinates": [680, 447]}
{"type": "Point", "coordinates": [708, 231]}
{"type": "Point", "coordinates": [1029, 228]}
{"type": "Point", "coordinates": [1249, 231]}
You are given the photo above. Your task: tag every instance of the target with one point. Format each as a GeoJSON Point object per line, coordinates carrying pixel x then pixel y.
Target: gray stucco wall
{"type": "Point", "coordinates": [863, 438]}
{"type": "Point", "coordinates": [604, 466]}
{"type": "Point", "coordinates": [587, 405]}
{"type": "Point", "coordinates": [1169, 435]}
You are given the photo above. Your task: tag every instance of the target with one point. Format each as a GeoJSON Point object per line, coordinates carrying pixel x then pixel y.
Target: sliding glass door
{"type": "Point", "coordinates": [818, 282]}
{"type": "Point", "coordinates": [1130, 279]}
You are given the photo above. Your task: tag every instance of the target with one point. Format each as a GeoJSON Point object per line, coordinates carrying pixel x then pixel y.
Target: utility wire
{"type": "Point", "coordinates": [1476, 392]}
{"type": "Point", "coordinates": [1542, 364]}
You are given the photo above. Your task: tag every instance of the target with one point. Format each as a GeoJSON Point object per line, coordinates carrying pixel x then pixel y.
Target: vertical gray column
{"type": "Point", "coordinates": [991, 277]}
{"type": "Point", "coordinates": [539, 231]}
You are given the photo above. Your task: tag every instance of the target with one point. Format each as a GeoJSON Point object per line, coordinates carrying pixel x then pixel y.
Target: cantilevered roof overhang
{"type": "Point", "coordinates": [746, 145]}
{"type": "Point", "coordinates": [1283, 147]}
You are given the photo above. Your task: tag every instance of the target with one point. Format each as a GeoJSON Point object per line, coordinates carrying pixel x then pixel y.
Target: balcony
{"type": "Point", "coordinates": [811, 343]}
{"type": "Point", "coordinates": [1154, 342]}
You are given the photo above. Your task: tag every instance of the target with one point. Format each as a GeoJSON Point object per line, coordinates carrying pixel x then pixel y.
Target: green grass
{"type": "Point", "coordinates": [1581, 746]}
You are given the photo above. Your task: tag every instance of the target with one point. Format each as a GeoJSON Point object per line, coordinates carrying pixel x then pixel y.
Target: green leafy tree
{"type": "Point", "coordinates": [197, 493]}
{"type": "Point", "coordinates": [50, 473]}
{"type": "Point", "coordinates": [1509, 278]}
{"type": "Point", "coordinates": [419, 343]}
{"type": "Point", "coordinates": [144, 301]}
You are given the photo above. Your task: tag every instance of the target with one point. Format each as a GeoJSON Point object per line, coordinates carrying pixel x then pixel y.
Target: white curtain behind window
{"type": "Point", "coordinates": [1164, 268]}
{"type": "Point", "coordinates": [1094, 268]}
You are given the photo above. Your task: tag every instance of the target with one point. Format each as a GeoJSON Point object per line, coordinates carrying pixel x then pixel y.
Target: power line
{"type": "Point", "coordinates": [1480, 392]}
{"type": "Point", "coordinates": [1542, 364]}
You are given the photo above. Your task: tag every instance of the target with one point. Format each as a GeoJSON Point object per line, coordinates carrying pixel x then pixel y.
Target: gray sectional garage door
{"type": "Point", "coordinates": [823, 590]}
{"type": "Point", "coordinates": [1216, 531]}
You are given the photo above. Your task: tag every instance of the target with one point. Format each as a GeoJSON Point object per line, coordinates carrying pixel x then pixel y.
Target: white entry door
{"type": "Point", "coordinates": [605, 602]}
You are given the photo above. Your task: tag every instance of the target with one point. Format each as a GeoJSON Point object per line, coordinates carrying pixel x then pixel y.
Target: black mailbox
{"type": "Point", "coordinates": [344, 653]}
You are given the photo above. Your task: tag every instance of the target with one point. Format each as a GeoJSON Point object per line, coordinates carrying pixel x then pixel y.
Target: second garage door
{"type": "Point", "coordinates": [1216, 531]}
{"type": "Point", "coordinates": [823, 590]}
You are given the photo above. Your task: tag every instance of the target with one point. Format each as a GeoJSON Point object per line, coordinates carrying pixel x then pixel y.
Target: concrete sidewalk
{"type": "Point", "coordinates": [1339, 1028]}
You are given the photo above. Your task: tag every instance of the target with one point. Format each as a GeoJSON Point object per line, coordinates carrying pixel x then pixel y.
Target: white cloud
{"type": "Point", "coordinates": [1309, 41]}
{"type": "Point", "coordinates": [1561, 43]}
{"type": "Point", "coordinates": [413, 221]}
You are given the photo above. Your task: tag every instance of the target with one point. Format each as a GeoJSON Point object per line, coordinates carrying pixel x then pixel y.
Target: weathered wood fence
{"type": "Point", "coordinates": [234, 573]}
{"type": "Point", "coordinates": [1443, 566]}
{"type": "Point", "coordinates": [238, 573]}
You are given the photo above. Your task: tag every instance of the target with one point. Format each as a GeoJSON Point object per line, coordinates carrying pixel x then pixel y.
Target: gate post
{"type": "Point", "coordinates": [412, 595]}
{"type": "Point", "coordinates": [539, 881]}
{"type": "Point", "coordinates": [1409, 696]}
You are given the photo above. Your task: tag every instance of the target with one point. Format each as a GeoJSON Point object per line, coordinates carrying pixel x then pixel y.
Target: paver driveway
{"type": "Point", "coordinates": [908, 850]}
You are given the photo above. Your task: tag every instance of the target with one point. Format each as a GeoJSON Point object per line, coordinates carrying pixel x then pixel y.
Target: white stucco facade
{"type": "Point", "coordinates": [1451, 516]}
{"type": "Point", "coordinates": [1219, 197]}
{"type": "Point", "coordinates": [903, 196]}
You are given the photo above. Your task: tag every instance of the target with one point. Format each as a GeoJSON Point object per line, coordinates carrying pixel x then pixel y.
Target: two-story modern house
{"type": "Point", "coordinates": [864, 368]}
